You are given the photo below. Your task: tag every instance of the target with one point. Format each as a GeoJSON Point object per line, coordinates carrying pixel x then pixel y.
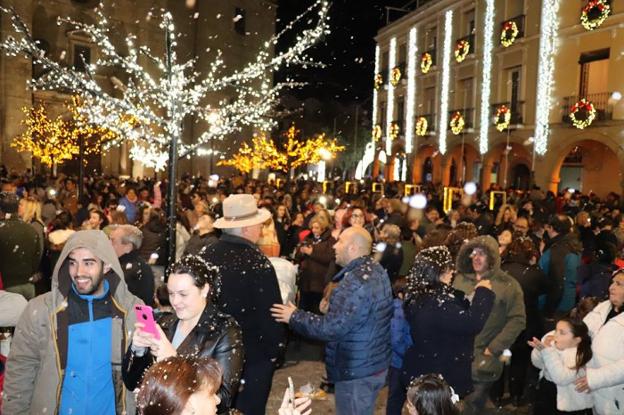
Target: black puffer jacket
{"type": "Point", "coordinates": [216, 335]}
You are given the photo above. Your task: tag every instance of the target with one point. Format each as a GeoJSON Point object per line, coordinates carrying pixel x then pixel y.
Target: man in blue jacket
{"type": "Point", "coordinates": [356, 326]}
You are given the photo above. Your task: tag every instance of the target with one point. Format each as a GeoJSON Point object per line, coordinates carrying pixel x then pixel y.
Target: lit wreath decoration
{"type": "Point", "coordinates": [582, 114]}
{"type": "Point", "coordinates": [425, 62]}
{"type": "Point", "coordinates": [421, 126]}
{"type": "Point", "coordinates": [457, 123]}
{"type": "Point", "coordinates": [503, 118]}
{"type": "Point", "coordinates": [462, 48]}
{"type": "Point", "coordinates": [378, 81]}
{"type": "Point", "coordinates": [509, 33]}
{"type": "Point", "coordinates": [394, 130]}
{"type": "Point", "coordinates": [395, 76]}
{"type": "Point", "coordinates": [594, 14]}
{"type": "Point", "coordinates": [377, 132]}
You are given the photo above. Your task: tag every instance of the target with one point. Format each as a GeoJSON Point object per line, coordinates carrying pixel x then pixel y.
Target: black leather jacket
{"type": "Point", "coordinates": [216, 335]}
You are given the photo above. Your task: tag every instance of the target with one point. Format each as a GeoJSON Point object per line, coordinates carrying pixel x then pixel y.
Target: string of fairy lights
{"type": "Point", "coordinates": [581, 114]}
{"type": "Point", "coordinates": [161, 91]}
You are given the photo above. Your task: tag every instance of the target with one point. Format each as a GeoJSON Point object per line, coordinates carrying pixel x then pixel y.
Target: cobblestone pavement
{"type": "Point", "coordinates": [303, 370]}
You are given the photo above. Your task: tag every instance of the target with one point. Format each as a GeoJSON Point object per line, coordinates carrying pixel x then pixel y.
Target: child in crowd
{"type": "Point", "coordinates": [562, 357]}
{"type": "Point", "coordinates": [431, 395]}
{"type": "Point", "coordinates": [400, 341]}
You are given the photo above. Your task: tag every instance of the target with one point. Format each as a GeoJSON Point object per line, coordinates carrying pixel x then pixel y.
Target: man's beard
{"type": "Point", "coordinates": [95, 284]}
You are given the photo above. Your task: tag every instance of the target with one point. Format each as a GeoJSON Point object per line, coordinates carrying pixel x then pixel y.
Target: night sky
{"type": "Point", "coordinates": [348, 52]}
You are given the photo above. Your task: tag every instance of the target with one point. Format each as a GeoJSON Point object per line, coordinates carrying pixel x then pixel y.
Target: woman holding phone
{"type": "Point", "coordinates": [196, 328]}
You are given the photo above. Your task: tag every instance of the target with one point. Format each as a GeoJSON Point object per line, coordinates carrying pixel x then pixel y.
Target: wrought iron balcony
{"type": "Point", "coordinates": [471, 41]}
{"type": "Point", "coordinates": [469, 117]}
{"type": "Point", "coordinates": [431, 121]}
{"type": "Point", "coordinates": [604, 109]}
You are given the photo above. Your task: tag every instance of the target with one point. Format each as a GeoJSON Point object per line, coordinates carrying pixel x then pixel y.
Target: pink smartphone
{"type": "Point", "coordinates": [144, 314]}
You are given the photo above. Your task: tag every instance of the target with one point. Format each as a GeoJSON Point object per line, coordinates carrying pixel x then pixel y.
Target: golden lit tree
{"type": "Point", "coordinates": [54, 141]}
{"type": "Point", "coordinates": [265, 154]}
{"type": "Point", "coordinates": [47, 139]}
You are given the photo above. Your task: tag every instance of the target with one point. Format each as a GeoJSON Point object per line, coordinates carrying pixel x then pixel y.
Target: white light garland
{"type": "Point", "coordinates": [545, 79]}
{"type": "Point", "coordinates": [446, 74]}
{"type": "Point", "coordinates": [411, 90]}
{"type": "Point", "coordinates": [390, 102]}
{"type": "Point", "coordinates": [375, 93]}
{"type": "Point", "coordinates": [486, 81]}
{"type": "Point", "coordinates": [161, 92]}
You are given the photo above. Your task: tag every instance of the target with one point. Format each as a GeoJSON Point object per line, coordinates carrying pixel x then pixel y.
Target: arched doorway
{"type": "Point", "coordinates": [500, 162]}
{"type": "Point", "coordinates": [587, 166]}
{"type": "Point", "coordinates": [460, 165]}
{"type": "Point", "coordinates": [426, 165]}
{"type": "Point", "coordinates": [521, 177]}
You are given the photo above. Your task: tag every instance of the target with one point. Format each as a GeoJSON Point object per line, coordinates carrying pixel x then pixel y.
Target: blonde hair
{"type": "Point", "coordinates": [32, 210]}
{"type": "Point", "coordinates": [501, 214]}
{"type": "Point", "coordinates": [321, 220]}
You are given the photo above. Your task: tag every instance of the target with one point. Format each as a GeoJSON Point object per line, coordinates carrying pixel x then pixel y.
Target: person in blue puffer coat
{"type": "Point", "coordinates": [356, 326]}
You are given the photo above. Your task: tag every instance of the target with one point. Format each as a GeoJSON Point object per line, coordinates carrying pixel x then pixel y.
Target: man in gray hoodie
{"type": "Point", "coordinates": [68, 345]}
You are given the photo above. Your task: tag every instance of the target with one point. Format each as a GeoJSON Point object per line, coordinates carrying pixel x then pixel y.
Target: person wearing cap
{"type": "Point", "coordinates": [479, 259]}
{"type": "Point", "coordinates": [250, 287]}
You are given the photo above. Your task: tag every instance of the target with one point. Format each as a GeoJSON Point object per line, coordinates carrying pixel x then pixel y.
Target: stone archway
{"type": "Point", "coordinates": [427, 159]}
{"type": "Point", "coordinates": [587, 165]}
{"type": "Point", "coordinates": [463, 160]}
{"type": "Point", "coordinates": [498, 168]}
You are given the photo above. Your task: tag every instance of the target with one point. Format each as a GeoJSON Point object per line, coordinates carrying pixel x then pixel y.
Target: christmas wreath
{"type": "Point", "coordinates": [457, 123]}
{"type": "Point", "coordinates": [509, 33]}
{"type": "Point", "coordinates": [394, 130]}
{"type": "Point", "coordinates": [594, 14]}
{"type": "Point", "coordinates": [421, 126]}
{"type": "Point", "coordinates": [503, 118]}
{"type": "Point", "coordinates": [378, 81]}
{"type": "Point", "coordinates": [582, 114]}
{"type": "Point", "coordinates": [462, 48]}
{"type": "Point", "coordinates": [425, 62]}
{"type": "Point", "coordinates": [395, 76]}
{"type": "Point", "coordinates": [377, 132]}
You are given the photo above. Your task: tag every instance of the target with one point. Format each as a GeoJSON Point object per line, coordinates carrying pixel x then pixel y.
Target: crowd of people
{"type": "Point", "coordinates": [511, 297]}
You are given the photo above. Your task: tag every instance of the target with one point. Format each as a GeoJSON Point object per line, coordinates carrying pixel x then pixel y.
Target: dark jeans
{"type": "Point", "coordinates": [357, 397]}
{"type": "Point", "coordinates": [546, 400]}
{"type": "Point", "coordinates": [515, 373]}
{"type": "Point", "coordinates": [396, 392]}
{"type": "Point", "coordinates": [254, 392]}
{"type": "Point", "coordinates": [475, 402]}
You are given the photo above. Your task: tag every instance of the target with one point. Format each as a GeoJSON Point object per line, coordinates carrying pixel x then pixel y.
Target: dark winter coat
{"type": "Point", "coordinates": [139, 276]}
{"type": "Point", "coordinates": [249, 290]}
{"type": "Point", "coordinates": [595, 279]}
{"type": "Point", "coordinates": [154, 242]}
{"type": "Point", "coordinates": [443, 333]}
{"type": "Point", "coordinates": [391, 260]}
{"type": "Point", "coordinates": [314, 267]}
{"type": "Point", "coordinates": [533, 283]}
{"type": "Point", "coordinates": [216, 335]}
{"type": "Point", "coordinates": [507, 319]}
{"type": "Point", "coordinates": [560, 263]}
{"type": "Point", "coordinates": [199, 242]}
{"type": "Point", "coordinates": [357, 325]}
{"type": "Point", "coordinates": [20, 252]}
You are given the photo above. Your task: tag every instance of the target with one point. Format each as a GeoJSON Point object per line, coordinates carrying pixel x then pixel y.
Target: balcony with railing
{"type": "Point", "coordinates": [520, 24]}
{"type": "Point", "coordinates": [601, 102]}
{"type": "Point", "coordinates": [517, 111]}
{"type": "Point", "coordinates": [433, 53]}
{"type": "Point", "coordinates": [469, 117]}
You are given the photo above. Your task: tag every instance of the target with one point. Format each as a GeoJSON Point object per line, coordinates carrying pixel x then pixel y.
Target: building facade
{"type": "Point", "coordinates": [239, 28]}
{"type": "Point", "coordinates": [483, 90]}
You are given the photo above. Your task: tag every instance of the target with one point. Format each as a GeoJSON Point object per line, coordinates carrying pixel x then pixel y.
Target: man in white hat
{"type": "Point", "coordinates": [249, 289]}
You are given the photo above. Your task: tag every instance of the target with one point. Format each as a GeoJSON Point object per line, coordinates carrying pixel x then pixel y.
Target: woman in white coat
{"type": "Point", "coordinates": [606, 326]}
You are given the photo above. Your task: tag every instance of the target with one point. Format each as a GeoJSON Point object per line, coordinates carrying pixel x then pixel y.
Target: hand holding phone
{"type": "Point", "coordinates": [145, 315]}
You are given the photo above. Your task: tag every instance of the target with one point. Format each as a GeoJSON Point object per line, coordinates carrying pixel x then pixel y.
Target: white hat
{"type": "Point", "coordinates": [239, 211]}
